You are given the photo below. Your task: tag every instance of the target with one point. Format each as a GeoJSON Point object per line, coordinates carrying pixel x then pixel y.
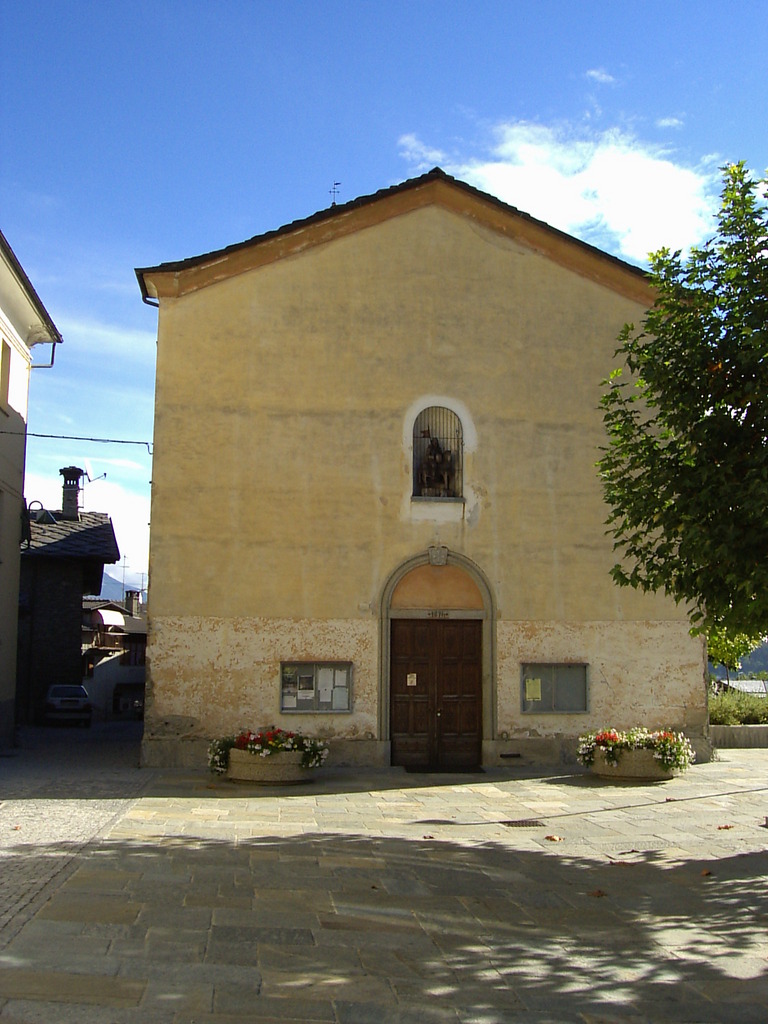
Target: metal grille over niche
{"type": "Point", "coordinates": [437, 454]}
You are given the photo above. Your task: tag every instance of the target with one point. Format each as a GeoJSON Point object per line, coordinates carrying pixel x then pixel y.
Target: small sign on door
{"type": "Point", "coordinates": [410, 679]}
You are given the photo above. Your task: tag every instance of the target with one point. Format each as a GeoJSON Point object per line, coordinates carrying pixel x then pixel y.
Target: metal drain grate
{"type": "Point", "coordinates": [524, 823]}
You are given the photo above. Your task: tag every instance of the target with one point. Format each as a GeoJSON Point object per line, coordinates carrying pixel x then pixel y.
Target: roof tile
{"type": "Point", "coordinates": [90, 537]}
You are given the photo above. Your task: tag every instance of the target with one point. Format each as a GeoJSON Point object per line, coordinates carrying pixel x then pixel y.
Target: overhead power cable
{"type": "Point", "coordinates": [72, 437]}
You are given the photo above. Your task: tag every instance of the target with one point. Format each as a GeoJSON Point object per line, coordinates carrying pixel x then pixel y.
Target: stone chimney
{"type": "Point", "coordinates": [70, 501]}
{"type": "Point", "coordinates": [132, 603]}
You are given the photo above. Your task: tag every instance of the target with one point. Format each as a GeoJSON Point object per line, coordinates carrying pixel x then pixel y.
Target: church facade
{"type": "Point", "coordinates": [375, 512]}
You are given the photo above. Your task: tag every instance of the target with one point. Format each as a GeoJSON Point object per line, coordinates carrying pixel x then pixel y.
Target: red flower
{"type": "Point", "coordinates": [610, 736]}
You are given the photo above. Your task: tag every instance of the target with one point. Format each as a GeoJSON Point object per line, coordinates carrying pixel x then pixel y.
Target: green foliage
{"type": "Point", "coordinates": [733, 708]}
{"type": "Point", "coordinates": [728, 649]}
{"type": "Point", "coordinates": [685, 472]}
{"type": "Point", "coordinates": [755, 665]}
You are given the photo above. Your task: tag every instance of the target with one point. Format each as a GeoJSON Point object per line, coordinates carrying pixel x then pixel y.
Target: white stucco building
{"type": "Point", "coordinates": [24, 324]}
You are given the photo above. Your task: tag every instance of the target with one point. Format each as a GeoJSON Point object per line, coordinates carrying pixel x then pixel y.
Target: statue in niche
{"type": "Point", "coordinates": [436, 473]}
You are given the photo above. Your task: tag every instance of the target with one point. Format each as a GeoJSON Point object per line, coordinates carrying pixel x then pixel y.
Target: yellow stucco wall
{"type": "Point", "coordinates": [282, 472]}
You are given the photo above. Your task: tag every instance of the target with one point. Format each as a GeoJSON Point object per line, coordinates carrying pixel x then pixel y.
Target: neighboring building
{"type": "Point", "coordinates": [63, 559]}
{"type": "Point", "coordinates": [755, 687]}
{"type": "Point", "coordinates": [24, 323]}
{"type": "Point", "coordinates": [114, 655]}
{"type": "Point", "coordinates": [375, 509]}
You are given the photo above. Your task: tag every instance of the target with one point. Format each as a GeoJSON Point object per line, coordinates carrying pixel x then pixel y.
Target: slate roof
{"type": "Point", "coordinates": [136, 625]}
{"type": "Point", "coordinates": [756, 686]}
{"type": "Point", "coordinates": [339, 210]}
{"type": "Point", "coordinates": [90, 537]}
{"type": "Point", "coordinates": [97, 603]}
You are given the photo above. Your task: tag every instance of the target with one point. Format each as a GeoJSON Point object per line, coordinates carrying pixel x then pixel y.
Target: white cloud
{"type": "Point", "coordinates": [669, 122]}
{"type": "Point", "coordinates": [109, 338]}
{"type": "Point", "coordinates": [98, 464]}
{"type": "Point", "coordinates": [610, 188]}
{"type": "Point", "coordinates": [415, 152]}
{"type": "Point", "coordinates": [600, 75]}
{"type": "Point", "coordinates": [130, 517]}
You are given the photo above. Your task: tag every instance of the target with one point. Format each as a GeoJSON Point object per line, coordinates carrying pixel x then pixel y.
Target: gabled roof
{"type": "Point", "coordinates": [97, 603]}
{"type": "Point", "coordinates": [111, 617]}
{"type": "Point", "coordinates": [436, 187]}
{"type": "Point", "coordinates": [90, 537]}
{"type": "Point", "coordinates": [113, 614]}
{"type": "Point", "coordinates": [756, 686]}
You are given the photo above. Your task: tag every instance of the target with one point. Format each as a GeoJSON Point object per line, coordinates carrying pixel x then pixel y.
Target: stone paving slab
{"type": "Point", "coordinates": [58, 790]}
{"type": "Point", "coordinates": [390, 898]}
{"type": "Point", "coordinates": [69, 987]}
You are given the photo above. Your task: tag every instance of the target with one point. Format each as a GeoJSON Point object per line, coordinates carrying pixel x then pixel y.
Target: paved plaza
{"type": "Point", "coordinates": [382, 897]}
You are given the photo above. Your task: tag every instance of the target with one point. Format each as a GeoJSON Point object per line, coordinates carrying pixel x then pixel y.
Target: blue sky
{"type": "Point", "coordinates": [135, 133]}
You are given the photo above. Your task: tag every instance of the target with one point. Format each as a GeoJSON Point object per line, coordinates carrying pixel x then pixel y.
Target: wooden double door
{"type": "Point", "coordinates": [436, 693]}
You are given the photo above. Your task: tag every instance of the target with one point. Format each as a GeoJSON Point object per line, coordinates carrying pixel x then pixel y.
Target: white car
{"type": "Point", "coordinates": [67, 703]}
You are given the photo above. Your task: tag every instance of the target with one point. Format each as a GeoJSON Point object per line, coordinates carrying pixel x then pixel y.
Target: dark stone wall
{"type": "Point", "coordinates": [50, 631]}
{"type": "Point", "coordinates": [7, 711]}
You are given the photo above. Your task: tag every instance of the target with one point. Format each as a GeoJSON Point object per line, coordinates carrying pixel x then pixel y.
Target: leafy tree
{"type": "Point", "coordinates": [685, 472]}
{"type": "Point", "coordinates": [728, 649]}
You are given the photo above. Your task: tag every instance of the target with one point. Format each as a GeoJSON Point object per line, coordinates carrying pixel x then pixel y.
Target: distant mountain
{"type": "Point", "coordinates": [112, 589]}
{"type": "Point", "coordinates": [756, 662]}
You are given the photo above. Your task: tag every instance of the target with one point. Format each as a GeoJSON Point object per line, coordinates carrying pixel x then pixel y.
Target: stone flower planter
{"type": "Point", "coordinates": [633, 764]}
{"type": "Point", "coordinates": [271, 756]}
{"type": "Point", "coordinates": [279, 768]}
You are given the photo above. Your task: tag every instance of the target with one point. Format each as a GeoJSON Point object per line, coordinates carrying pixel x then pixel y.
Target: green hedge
{"type": "Point", "coordinates": [733, 708]}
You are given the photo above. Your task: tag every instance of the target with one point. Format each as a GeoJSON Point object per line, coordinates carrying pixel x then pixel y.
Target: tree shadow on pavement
{"type": "Point", "coordinates": [357, 929]}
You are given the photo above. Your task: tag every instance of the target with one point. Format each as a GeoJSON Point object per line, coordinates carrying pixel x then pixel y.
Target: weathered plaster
{"type": "Point", "coordinates": [640, 673]}
{"type": "Point", "coordinates": [286, 390]}
{"type": "Point", "coordinates": [212, 676]}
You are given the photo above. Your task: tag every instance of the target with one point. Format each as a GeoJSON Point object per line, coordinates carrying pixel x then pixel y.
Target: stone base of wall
{"type": "Point", "coordinates": [702, 746]}
{"type": "Point", "coordinates": [192, 752]}
{"type": "Point", "coordinates": [556, 750]}
{"type": "Point", "coordinates": [550, 750]}
{"type": "Point", "coordinates": [739, 736]}
{"type": "Point", "coordinates": [174, 752]}
{"type": "Point", "coordinates": [366, 753]}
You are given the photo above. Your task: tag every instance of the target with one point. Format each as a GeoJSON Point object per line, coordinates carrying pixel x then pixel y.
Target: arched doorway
{"type": "Point", "coordinates": [437, 665]}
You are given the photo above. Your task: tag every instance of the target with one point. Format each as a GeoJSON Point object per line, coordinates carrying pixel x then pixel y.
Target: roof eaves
{"type": "Point", "coordinates": [436, 174]}
{"type": "Point", "coordinates": [295, 225]}
{"type": "Point", "coordinates": [34, 299]}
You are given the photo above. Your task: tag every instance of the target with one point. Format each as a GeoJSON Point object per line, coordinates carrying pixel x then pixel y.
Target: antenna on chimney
{"type": "Point", "coordinates": [333, 192]}
{"type": "Point", "coordinates": [125, 566]}
{"type": "Point", "coordinates": [89, 473]}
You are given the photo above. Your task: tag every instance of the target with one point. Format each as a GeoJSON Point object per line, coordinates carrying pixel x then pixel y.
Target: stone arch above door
{"type": "Point", "coordinates": [439, 583]}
